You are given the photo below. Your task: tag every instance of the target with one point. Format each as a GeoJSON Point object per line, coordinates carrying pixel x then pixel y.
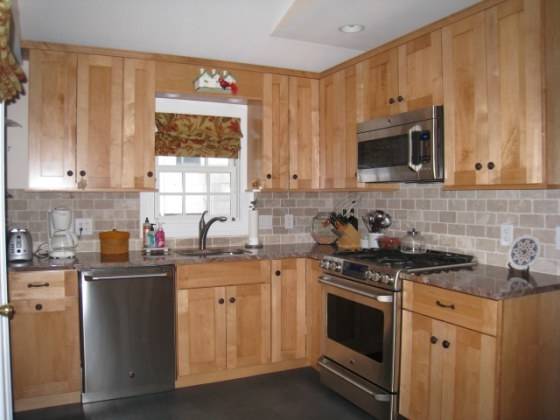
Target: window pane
{"type": "Point", "coordinates": [218, 161]}
{"type": "Point", "coordinates": [167, 160]}
{"type": "Point", "coordinates": [220, 183]}
{"type": "Point", "coordinates": [170, 205]}
{"type": "Point", "coordinates": [195, 182]}
{"type": "Point", "coordinates": [192, 161]}
{"type": "Point", "coordinates": [220, 205]}
{"type": "Point", "coordinates": [195, 204]}
{"type": "Point", "coordinates": [171, 182]}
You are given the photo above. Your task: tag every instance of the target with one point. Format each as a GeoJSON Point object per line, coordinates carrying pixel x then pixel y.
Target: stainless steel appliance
{"type": "Point", "coordinates": [20, 245]}
{"type": "Point", "coordinates": [127, 331]}
{"type": "Point", "coordinates": [361, 340]}
{"type": "Point", "coordinates": [402, 148]}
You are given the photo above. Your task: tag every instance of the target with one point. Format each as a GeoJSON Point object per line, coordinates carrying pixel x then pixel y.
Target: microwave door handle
{"type": "Point", "coordinates": [411, 165]}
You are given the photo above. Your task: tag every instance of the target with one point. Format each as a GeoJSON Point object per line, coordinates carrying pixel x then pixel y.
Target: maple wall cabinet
{"type": "Point", "coordinates": [45, 340]}
{"type": "Point", "coordinates": [284, 134]}
{"type": "Point", "coordinates": [91, 122]}
{"type": "Point", "coordinates": [495, 98]}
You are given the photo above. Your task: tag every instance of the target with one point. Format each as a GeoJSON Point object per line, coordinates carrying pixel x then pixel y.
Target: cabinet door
{"type": "Point", "coordinates": [99, 130]}
{"type": "Point", "coordinates": [378, 86]}
{"type": "Point", "coordinates": [52, 120]}
{"type": "Point", "coordinates": [275, 164]}
{"type": "Point", "coordinates": [288, 309]}
{"type": "Point", "coordinates": [45, 343]}
{"type": "Point", "coordinates": [338, 157]}
{"type": "Point", "coordinates": [420, 73]}
{"type": "Point", "coordinates": [201, 330]}
{"type": "Point", "coordinates": [304, 133]}
{"type": "Point", "coordinates": [466, 101]}
{"type": "Point", "coordinates": [138, 124]}
{"type": "Point", "coordinates": [314, 311]}
{"type": "Point", "coordinates": [447, 372]}
{"type": "Point", "coordinates": [515, 98]}
{"type": "Point", "coordinates": [248, 325]}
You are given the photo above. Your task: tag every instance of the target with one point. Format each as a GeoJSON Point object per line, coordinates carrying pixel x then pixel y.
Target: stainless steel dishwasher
{"type": "Point", "coordinates": [127, 331]}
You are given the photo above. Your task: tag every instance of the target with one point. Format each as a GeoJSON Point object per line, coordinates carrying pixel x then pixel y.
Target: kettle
{"type": "Point", "coordinates": [20, 245]}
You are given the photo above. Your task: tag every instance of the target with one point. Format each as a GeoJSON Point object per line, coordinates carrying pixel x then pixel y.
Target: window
{"type": "Point", "coordinates": [189, 186]}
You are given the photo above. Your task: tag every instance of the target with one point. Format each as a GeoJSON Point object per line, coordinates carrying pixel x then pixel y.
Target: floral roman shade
{"type": "Point", "coordinates": [11, 74]}
{"type": "Point", "coordinates": [197, 135]}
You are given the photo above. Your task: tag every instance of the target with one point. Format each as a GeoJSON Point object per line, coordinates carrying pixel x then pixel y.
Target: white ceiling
{"type": "Point", "coordinates": [299, 34]}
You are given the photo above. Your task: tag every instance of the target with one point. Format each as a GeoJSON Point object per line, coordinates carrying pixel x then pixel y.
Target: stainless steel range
{"type": "Point", "coordinates": [361, 335]}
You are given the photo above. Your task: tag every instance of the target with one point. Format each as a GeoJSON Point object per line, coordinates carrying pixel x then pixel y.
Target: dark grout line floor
{"type": "Point", "coordinates": [295, 394]}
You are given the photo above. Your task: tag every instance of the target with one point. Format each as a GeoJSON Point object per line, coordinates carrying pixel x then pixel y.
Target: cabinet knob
{"type": "Point", "coordinates": [491, 165]}
{"type": "Point", "coordinates": [268, 176]}
{"type": "Point", "coordinates": [478, 166]}
{"type": "Point", "coordinates": [400, 98]}
{"type": "Point", "coordinates": [150, 174]}
{"type": "Point", "coordinates": [221, 301]}
{"type": "Point", "coordinates": [70, 173]}
{"type": "Point", "coordinates": [82, 173]}
{"type": "Point", "coordinates": [277, 272]}
{"type": "Point", "coordinates": [38, 307]}
{"type": "Point", "coordinates": [232, 300]}
{"type": "Point", "coordinates": [294, 176]}
{"type": "Point", "coordinates": [391, 100]}
{"type": "Point", "coordinates": [445, 344]}
{"type": "Point", "coordinates": [433, 339]}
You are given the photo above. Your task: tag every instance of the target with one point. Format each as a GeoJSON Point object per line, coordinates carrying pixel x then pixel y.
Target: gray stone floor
{"type": "Point", "coordinates": [295, 394]}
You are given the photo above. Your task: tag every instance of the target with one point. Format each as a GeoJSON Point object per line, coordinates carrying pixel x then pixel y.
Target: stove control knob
{"type": "Point", "coordinates": [386, 278]}
{"type": "Point", "coordinates": [376, 276]}
{"type": "Point", "coordinates": [337, 266]}
{"type": "Point", "coordinates": [368, 275]}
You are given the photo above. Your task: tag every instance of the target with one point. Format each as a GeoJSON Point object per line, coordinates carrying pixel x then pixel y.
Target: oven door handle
{"type": "Point", "coordinates": [378, 397]}
{"type": "Point", "coordinates": [329, 281]}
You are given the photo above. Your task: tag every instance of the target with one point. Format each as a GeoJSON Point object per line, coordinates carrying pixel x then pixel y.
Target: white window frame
{"type": "Point", "coordinates": [187, 227]}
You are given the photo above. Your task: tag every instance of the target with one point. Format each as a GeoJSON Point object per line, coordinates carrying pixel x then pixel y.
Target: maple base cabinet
{"type": "Point", "coordinates": [481, 359]}
{"type": "Point", "coordinates": [45, 340]}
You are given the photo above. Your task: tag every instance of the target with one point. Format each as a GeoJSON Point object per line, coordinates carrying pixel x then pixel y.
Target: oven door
{"type": "Point", "coordinates": [402, 153]}
{"type": "Point", "coordinates": [359, 331]}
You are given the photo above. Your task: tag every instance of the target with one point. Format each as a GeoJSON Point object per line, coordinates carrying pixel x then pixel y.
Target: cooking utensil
{"type": "Point", "coordinates": [379, 220]}
{"type": "Point", "coordinates": [366, 223]}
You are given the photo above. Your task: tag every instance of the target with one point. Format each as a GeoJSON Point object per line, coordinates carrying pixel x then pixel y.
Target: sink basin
{"type": "Point", "coordinates": [211, 252]}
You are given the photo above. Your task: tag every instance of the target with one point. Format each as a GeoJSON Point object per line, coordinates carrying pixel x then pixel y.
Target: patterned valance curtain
{"type": "Point", "coordinates": [197, 135]}
{"type": "Point", "coordinates": [11, 74]}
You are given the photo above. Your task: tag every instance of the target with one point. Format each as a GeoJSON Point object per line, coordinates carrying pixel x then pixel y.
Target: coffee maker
{"type": "Point", "coordinates": [62, 240]}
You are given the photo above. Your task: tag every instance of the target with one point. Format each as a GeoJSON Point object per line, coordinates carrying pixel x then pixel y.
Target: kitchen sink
{"type": "Point", "coordinates": [211, 252]}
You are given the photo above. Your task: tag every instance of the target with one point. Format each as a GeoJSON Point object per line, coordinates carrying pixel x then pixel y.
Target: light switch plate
{"type": "Point", "coordinates": [557, 239]}
{"type": "Point", "coordinates": [506, 235]}
{"type": "Point", "coordinates": [289, 221]}
{"type": "Point", "coordinates": [86, 225]}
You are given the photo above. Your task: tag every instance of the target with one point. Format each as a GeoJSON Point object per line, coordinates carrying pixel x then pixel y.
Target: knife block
{"type": "Point", "coordinates": [349, 237]}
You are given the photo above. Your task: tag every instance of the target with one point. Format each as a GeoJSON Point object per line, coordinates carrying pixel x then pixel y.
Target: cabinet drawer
{"type": "Point", "coordinates": [39, 284]}
{"type": "Point", "coordinates": [222, 274]}
{"type": "Point", "coordinates": [467, 311]}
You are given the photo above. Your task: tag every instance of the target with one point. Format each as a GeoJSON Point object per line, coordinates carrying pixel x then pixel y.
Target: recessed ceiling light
{"type": "Point", "coordinates": [351, 28]}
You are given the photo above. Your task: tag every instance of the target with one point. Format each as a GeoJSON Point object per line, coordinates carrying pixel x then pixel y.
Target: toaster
{"type": "Point", "coordinates": [20, 245]}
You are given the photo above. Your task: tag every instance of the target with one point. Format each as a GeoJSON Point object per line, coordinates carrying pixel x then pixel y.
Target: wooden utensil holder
{"type": "Point", "coordinates": [349, 237]}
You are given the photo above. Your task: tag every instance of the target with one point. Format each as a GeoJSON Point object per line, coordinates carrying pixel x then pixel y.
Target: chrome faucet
{"type": "Point", "coordinates": [204, 227]}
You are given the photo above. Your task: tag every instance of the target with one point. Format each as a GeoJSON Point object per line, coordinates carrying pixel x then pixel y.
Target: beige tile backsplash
{"type": "Point", "coordinates": [465, 221]}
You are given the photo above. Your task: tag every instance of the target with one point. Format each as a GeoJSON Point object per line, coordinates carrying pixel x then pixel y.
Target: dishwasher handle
{"type": "Point", "coordinates": [126, 277]}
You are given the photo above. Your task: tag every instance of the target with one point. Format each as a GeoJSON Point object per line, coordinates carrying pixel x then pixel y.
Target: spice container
{"type": "Point", "coordinates": [114, 242]}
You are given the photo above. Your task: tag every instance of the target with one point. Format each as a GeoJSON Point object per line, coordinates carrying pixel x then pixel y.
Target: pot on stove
{"type": "Point", "coordinates": [413, 243]}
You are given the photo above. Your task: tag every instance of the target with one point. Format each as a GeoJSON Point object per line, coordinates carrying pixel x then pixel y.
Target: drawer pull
{"type": "Point", "coordinates": [45, 284]}
{"type": "Point", "coordinates": [445, 305]}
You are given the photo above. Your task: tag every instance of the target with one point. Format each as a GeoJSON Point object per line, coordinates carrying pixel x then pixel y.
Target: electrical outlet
{"type": "Point", "coordinates": [289, 221]}
{"type": "Point", "coordinates": [86, 226]}
{"type": "Point", "coordinates": [265, 221]}
{"type": "Point", "coordinates": [506, 235]}
{"type": "Point", "coordinates": [557, 239]}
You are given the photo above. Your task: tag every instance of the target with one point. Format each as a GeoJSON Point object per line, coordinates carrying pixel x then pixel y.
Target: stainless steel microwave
{"type": "Point", "coordinates": [403, 148]}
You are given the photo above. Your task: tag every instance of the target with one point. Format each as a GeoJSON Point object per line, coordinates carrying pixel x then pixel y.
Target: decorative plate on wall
{"type": "Point", "coordinates": [524, 252]}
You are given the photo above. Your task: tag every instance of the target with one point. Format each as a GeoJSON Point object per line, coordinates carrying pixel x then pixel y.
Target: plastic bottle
{"type": "Point", "coordinates": [145, 229]}
{"type": "Point", "coordinates": [160, 237]}
{"type": "Point", "coordinates": [151, 237]}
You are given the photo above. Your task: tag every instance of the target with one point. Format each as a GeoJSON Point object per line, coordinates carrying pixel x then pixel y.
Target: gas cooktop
{"type": "Point", "coordinates": [385, 268]}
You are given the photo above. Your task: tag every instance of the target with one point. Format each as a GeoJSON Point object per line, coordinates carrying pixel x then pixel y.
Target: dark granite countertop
{"type": "Point", "coordinates": [492, 282]}
{"type": "Point", "coordinates": [88, 260]}
{"type": "Point", "coordinates": [482, 280]}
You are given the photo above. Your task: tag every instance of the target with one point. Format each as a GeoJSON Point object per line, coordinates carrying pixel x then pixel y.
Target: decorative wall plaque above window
{"type": "Point", "coordinates": [215, 82]}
